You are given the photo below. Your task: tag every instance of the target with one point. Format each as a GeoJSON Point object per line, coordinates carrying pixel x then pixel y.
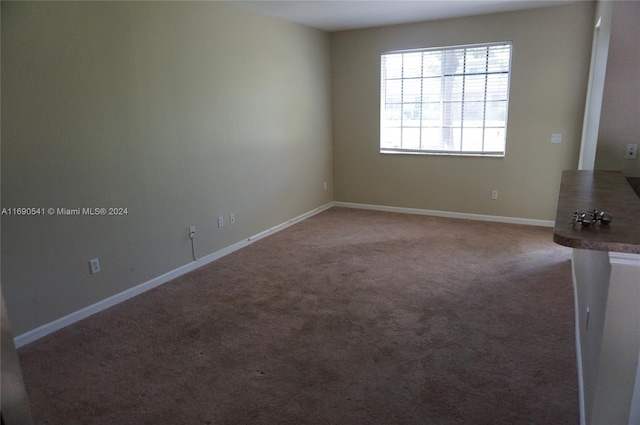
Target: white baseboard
{"type": "Point", "coordinates": [83, 313]}
{"type": "Point", "coordinates": [449, 214]}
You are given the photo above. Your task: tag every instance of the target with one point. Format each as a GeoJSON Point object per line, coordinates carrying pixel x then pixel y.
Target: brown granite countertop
{"type": "Point", "coordinates": [608, 191]}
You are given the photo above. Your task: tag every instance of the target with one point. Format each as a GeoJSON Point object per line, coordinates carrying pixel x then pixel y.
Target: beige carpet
{"type": "Point", "coordinates": [350, 317]}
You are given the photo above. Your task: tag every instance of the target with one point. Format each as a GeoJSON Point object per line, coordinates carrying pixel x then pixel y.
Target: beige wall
{"type": "Point", "coordinates": [178, 111]}
{"type": "Point", "coordinates": [551, 54]}
{"type": "Point", "coordinates": [619, 123]}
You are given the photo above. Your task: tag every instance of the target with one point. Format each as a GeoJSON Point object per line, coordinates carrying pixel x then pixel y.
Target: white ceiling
{"type": "Point", "coordinates": [337, 15]}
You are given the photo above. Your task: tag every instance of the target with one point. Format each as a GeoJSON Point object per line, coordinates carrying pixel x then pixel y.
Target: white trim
{"type": "Point", "coordinates": [85, 312]}
{"type": "Point", "coordinates": [633, 260]}
{"type": "Point", "coordinates": [448, 214]}
{"type": "Point", "coordinates": [595, 85]}
{"type": "Point", "coordinates": [576, 308]}
{"type": "Point", "coordinates": [288, 223]}
{"type": "Point", "coordinates": [634, 411]}
{"type": "Point", "coordinates": [624, 258]}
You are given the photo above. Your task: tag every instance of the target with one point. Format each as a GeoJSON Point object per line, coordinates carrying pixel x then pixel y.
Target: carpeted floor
{"type": "Point", "coordinates": [350, 317]}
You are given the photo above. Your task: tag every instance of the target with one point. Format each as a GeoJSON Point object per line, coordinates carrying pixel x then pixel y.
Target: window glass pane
{"type": "Point", "coordinates": [472, 139]}
{"type": "Point", "coordinates": [431, 138]}
{"type": "Point", "coordinates": [452, 114]}
{"type": "Point", "coordinates": [450, 138]}
{"type": "Point", "coordinates": [476, 60]}
{"type": "Point", "coordinates": [473, 114]}
{"type": "Point", "coordinates": [452, 88]}
{"type": "Point", "coordinates": [392, 114]}
{"type": "Point", "coordinates": [496, 114]}
{"type": "Point", "coordinates": [410, 138]}
{"type": "Point", "coordinates": [393, 66]}
{"type": "Point", "coordinates": [411, 114]}
{"type": "Point", "coordinates": [474, 87]}
{"type": "Point", "coordinates": [432, 65]}
{"type": "Point", "coordinates": [497, 86]}
{"type": "Point", "coordinates": [431, 89]}
{"type": "Point", "coordinates": [412, 66]}
{"type": "Point", "coordinates": [494, 139]}
{"type": "Point", "coordinates": [499, 58]}
{"type": "Point", "coordinates": [393, 91]}
{"type": "Point", "coordinates": [451, 60]}
{"type": "Point", "coordinates": [431, 114]}
{"type": "Point", "coordinates": [412, 90]}
{"type": "Point", "coordinates": [457, 136]}
{"type": "Point", "coordinates": [390, 138]}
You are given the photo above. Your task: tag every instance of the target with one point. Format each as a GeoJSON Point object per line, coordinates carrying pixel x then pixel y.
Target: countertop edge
{"type": "Point", "coordinates": [577, 243]}
{"type": "Point", "coordinates": [609, 191]}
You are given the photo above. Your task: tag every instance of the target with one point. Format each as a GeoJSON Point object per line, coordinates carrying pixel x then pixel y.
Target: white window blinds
{"type": "Point", "coordinates": [446, 101]}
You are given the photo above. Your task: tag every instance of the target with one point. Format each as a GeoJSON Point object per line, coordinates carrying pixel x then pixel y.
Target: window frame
{"type": "Point", "coordinates": [483, 152]}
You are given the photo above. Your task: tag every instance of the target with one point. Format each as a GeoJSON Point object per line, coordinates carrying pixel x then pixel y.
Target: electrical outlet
{"type": "Point", "coordinates": [192, 232]}
{"type": "Point", "coordinates": [325, 185]}
{"type": "Point", "coordinates": [94, 265]}
{"type": "Point", "coordinates": [556, 138]}
{"type": "Point", "coordinates": [220, 221]}
{"type": "Point", "coordinates": [494, 194]}
{"type": "Point", "coordinates": [631, 151]}
{"type": "Point", "coordinates": [232, 218]}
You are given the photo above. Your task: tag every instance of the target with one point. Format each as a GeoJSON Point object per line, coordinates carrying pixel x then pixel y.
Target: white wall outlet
{"type": "Point", "coordinates": [325, 185]}
{"type": "Point", "coordinates": [556, 138]}
{"type": "Point", "coordinates": [192, 232]}
{"type": "Point", "coordinates": [94, 265]}
{"type": "Point", "coordinates": [494, 194]}
{"type": "Point", "coordinates": [232, 218]}
{"type": "Point", "coordinates": [220, 221]}
{"type": "Point", "coordinates": [631, 151]}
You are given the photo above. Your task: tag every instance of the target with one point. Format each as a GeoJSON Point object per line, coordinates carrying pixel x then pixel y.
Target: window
{"type": "Point", "coordinates": [451, 100]}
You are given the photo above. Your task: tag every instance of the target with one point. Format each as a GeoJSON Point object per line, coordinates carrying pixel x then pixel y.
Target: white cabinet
{"type": "Point", "coordinates": [607, 293]}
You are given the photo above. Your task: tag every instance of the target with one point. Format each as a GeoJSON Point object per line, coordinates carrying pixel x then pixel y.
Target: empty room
{"type": "Point", "coordinates": [320, 212]}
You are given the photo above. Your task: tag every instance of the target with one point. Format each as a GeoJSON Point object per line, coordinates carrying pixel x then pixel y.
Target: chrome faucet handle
{"type": "Point", "coordinates": [604, 218]}
{"type": "Point", "coordinates": [594, 217]}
